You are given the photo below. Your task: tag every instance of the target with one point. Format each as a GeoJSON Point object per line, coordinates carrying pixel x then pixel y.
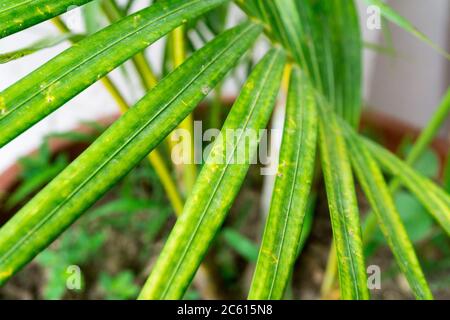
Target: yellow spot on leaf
{"type": "Point", "coordinates": [5, 274]}
{"type": "Point", "coordinates": [2, 106]}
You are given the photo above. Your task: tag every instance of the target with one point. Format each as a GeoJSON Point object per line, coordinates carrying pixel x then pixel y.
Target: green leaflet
{"type": "Point", "coordinates": [380, 199]}
{"type": "Point", "coordinates": [396, 18]}
{"type": "Point", "coordinates": [39, 45]}
{"type": "Point", "coordinates": [239, 243]}
{"type": "Point", "coordinates": [21, 14]}
{"type": "Point", "coordinates": [119, 149]}
{"type": "Point", "coordinates": [49, 87]}
{"type": "Point", "coordinates": [343, 207]}
{"type": "Point", "coordinates": [432, 197]}
{"type": "Point", "coordinates": [314, 33]}
{"type": "Point", "coordinates": [36, 182]}
{"type": "Point", "coordinates": [284, 226]}
{"type": "Point", "coordinates": [218, 183]}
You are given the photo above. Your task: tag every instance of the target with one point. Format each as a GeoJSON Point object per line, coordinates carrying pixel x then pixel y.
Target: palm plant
{"type": "Point", "coordinates": [316, 45]}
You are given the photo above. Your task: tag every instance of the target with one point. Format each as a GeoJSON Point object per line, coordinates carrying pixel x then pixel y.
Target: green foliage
{"type": "Point", "coordinates": [63, 77]}
{"type": "Point", "coordinates": [432, 197]}
{"type": "Point", "coordinates": [243, 246]}
{"type": "Point", "coordinates": [83, 243]}
{"type": "Point", "coordinates": [418, 223]}
{"type": "Point", "coordinates": [321, 38]}
{"type": "Point", "coordinates": [284, 227]}
{"type": "Point", "coordinates": [18, 15]}
{"type": "Point", "coordinates": [427, 163]}
{"type": "Point", "coordinates": [36, 181]}
{"type": "Point", "coordinates": [119, 287]}
{"type": "Point", "coordinates": [122, 146]}
{"type": "Point", "coordinates": [447, 176]}
{"type": "Point", "coordinates": [313, 32]}
{"type": "Point", "coordinates": [343, 207]}
{"type": "Point", "coordinates": [45, 43]}
{"type": "Point", "coordinates": [377, 192]}
{"type": "Point", "coordinates": [76, 247]}
{"type": "Point", "coordinates": [402, 22]}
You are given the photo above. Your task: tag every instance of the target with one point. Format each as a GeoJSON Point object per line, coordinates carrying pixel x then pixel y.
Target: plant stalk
{"type": "Point", "coordinates": [189, 170]}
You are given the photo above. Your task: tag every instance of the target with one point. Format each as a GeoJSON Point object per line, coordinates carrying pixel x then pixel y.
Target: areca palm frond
{"type": "Point", "coordinates": [320, 41]}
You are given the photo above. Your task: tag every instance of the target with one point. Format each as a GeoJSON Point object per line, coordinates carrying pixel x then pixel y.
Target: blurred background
{"type": "Point", "coordinates": [405, 80]}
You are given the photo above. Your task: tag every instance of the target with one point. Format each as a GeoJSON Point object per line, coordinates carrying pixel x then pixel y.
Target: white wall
{"type": "Point", "coordinates": [411, 84]}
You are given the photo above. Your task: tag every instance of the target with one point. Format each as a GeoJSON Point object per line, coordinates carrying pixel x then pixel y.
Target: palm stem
{"type": "Point", "coordinates": [189, 170]}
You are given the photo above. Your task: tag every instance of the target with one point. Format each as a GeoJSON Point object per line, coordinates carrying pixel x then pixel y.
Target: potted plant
{"type": "Point", "coordinates": [314, 59]}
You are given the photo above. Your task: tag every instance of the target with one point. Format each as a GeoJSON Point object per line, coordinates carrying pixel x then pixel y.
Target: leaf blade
{"type": "Point", "coordinates": [313, 32]}
{"type": "Point", "coordinates": [39, 45]}
{"type": "Point", "coordinates": [19, 15]}
{"type": "Point", "coordinates": [343, 207]}
{"type": "Point", "coordinates": [290, 197]}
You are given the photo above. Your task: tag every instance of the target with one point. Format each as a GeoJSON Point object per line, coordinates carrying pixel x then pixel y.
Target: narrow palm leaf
{"type": "Point", "coordinates": [20, 14]}
{"type": "Point", "coordinates": [402, 22]}
{"type": "Point", "coordinates": [423, 141]}
{"type": "Point", "coordinates": [45, 43]}
{"type": "Point", "coordinates": [284, 226]}
{"type": "Point", "coordinates": [343, 207]}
